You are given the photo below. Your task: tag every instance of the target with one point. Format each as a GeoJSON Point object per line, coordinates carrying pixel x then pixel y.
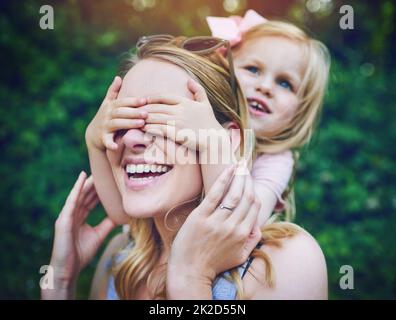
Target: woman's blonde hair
{"type": "Point", "coordinates": [298, 131]}
{"type": "Point", "coordinates": [140, 265]}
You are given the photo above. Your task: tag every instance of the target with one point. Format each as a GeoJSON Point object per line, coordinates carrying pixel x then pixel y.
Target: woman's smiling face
{"type": "Point", "coordinates": [146, 171]}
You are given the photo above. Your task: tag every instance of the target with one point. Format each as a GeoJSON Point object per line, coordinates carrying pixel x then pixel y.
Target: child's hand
{"type": "Point", "coordinates": [113, 115]}
{"type": "Point", "coordinates": [76, 242]}
{"type": "Point", "coordinates": [181, 119]}
{"type": "Point", "coordinates": [214, 239]}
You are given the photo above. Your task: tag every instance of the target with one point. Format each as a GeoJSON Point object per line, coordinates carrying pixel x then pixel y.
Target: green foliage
{"type": "Point", "coordinates": [53, 81]}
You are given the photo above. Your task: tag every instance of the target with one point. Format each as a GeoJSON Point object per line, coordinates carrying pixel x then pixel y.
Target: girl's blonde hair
{"type": "Point", "coordinates": [311, 92]}
{"type": "Point", "coordinates": [140, 265]}
{"type": "Point", "coordinates": [298, 131]}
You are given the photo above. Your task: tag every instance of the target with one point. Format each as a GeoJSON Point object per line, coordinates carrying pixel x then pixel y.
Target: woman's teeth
{"type": "Point", "coordinates": [146, 171]}
{"type": "Point", "coordinates": [140, 168]}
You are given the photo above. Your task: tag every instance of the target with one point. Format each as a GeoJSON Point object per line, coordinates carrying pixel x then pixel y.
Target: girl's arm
{"type": "Point", "coordinates": [271, 174]}
{"type": "Point", "coordinates": [105, 183]}
{"type": "Point", "coordinates": [99, 136]}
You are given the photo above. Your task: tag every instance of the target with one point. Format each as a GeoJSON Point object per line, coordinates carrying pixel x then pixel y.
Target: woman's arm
{"type": "Point", "coordinates": [300, 271]}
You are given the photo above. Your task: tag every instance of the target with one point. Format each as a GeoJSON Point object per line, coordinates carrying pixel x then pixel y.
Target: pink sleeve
{"type": "Point", "coordinates": [274, 171]}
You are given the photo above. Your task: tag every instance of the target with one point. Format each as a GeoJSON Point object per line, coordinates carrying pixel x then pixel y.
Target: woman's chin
{"type": "Point", "coordinates": [144, 210]}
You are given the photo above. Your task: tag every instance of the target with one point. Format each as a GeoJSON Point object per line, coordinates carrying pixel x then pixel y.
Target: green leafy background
{"type": "Point", "coordinates": [53, 81]}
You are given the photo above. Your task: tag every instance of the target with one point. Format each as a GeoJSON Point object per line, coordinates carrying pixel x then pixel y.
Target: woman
{"type": "Point", "coordinates": [183, 262]}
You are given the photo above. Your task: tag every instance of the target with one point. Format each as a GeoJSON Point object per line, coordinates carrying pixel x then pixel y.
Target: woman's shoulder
{"type": "Point", "coordinates": [299, 269]}
{"type": "Point", "coordinates": [101, 276]}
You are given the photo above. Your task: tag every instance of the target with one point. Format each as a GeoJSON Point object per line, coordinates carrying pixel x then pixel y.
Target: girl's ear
{"type": "Point", "coordinates": [235, 134]}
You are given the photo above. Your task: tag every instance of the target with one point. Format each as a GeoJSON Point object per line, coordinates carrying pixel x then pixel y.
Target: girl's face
{"type": "Point", "coordinates": [164, 182]}
{"type": "Point", "coordinates": [270, 70]}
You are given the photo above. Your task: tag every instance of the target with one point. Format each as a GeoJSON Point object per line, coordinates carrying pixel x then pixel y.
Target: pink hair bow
{"type": "Point", "coordinates": [233, 27]}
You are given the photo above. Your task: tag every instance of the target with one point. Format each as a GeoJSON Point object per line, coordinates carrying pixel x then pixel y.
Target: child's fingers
{"type": "Point", "coordinates": [159, 108]}
{"type": "Point", "coordinates": [216, 192]}
{"type": "Point", "coordinates": [119, 124]}
{"type": "Point", "coordinates": [153, 118]}
{"type": "Point", "coordinates": [114, 89]}
{"type": "Point", "coordinates": [165, 99]}
{"type": "Point", "coordinates": [197, 90]}
{"type": "Point", "coordinates": [161, 130]}
{"type": "Point", "coordinates": [128, 113]}
{"type": "Point", "coordinates": [129, 102]}
{"type": "Point", "coordinates": [108, 141]}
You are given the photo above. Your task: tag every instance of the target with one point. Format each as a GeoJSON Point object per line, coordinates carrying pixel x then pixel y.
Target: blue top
{"type": "Point", "coordinates": [222, 288]}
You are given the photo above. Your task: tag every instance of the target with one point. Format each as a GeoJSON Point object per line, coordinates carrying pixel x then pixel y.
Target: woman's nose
{"type": "Point", "coordinates": [136, 140]}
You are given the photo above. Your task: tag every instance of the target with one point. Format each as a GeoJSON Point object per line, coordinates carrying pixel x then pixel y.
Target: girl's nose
{"type": "Point", "coordinates": [136, 140]}
{"type": "Point", "coordinates": [265, 87]}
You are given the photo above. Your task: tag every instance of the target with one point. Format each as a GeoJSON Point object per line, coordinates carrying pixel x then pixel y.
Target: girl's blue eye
{"type": "Point", "coordinates": [285, 84]}
{"type": "Point", "coordinates": [252, 69]}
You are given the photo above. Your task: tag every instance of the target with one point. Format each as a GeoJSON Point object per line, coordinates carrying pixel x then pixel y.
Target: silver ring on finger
{"type": "Point", "coordinates": [222, 206]}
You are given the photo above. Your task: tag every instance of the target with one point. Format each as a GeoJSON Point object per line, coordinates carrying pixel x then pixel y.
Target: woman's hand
{"type": "Point", "coordinates": [183, 120]}
{"type": "Point", "coordinates": [76, 242]}
{"type": "Point", "coordinates": [214, 239]}
{"type": "Point", "coordinates": [113, 115]}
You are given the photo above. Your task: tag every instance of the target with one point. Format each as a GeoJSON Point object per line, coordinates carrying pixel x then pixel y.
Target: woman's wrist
{"type": "Point", "coordinates": [186, 285]}
{"type": "Point", "coordinates": [63, 278]}
{"type": "Point", "coordinates": [60, 285]}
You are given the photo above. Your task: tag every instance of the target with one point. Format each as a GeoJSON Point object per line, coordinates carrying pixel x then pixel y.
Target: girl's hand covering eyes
{"type": "Point", "coordinates": [113, 115]}
{"type": "Point", "coordinates": [214, 239]}
{"type": "Point", "coordinates": [182, 120]}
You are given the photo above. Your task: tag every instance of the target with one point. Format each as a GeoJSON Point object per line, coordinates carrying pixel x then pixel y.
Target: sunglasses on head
{"type": "Point", "coordinates": [201, 45]}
